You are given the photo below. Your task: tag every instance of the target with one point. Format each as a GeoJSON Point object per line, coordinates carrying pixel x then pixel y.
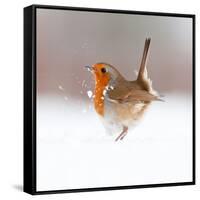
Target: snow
{"type": "Point", "coordinates": [89, 93]}
{"type": "Point", "coordinates": [111, 87]}
{"type": "Point", "coordinates": [104, 92]}
{"type": "Point", "coordinates": [83, 83]}
{"type": "Point", "coordinates": [73, 150]}
{"type": "Point", "coordinates": [60, 87]}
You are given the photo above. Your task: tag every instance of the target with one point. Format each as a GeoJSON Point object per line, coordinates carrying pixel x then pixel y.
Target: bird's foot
{"type": "Point", "coordinates": [122, 137]}
{"type": "Point", "coordinates": [122, 134]}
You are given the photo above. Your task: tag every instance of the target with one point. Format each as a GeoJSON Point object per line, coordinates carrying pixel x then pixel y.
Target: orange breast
{"type": "Point", "coordinates": [99, 101]}
{"type": "Point", "coordinates": [99, 94]}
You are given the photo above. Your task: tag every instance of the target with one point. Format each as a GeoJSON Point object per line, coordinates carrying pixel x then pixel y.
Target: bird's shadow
{"type": "Point", "coordinates": [18, 187]}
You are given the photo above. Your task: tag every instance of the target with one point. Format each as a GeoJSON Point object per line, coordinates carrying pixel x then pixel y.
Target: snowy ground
{"type": "Point", "coordinates": [73, 150]}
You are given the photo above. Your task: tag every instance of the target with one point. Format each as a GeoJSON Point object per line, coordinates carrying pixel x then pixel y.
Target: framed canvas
{"type": "Point", "coordinates": [109, 99]}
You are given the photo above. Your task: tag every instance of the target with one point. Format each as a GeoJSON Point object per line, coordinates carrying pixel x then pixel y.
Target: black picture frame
{"type": "Point", "coordinates": [30, 99]}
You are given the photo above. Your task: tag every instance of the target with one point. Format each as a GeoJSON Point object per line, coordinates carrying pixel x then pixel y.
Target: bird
{"type": "Point", "coordinates": [121, 103]}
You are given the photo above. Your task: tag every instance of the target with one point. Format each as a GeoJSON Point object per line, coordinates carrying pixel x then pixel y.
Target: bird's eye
{"type": "Point", "coordinates": [103, 70]}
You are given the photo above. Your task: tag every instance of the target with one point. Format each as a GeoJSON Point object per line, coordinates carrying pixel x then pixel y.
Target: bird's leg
{"type": "Point", "coordinates": [122, 134]}
{"type": "Point", "coordinates": [122, 137]}
{"type": "Point", "coordinates": [125, 132]}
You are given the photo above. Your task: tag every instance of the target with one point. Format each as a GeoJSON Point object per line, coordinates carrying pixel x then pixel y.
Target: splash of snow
{"type": "Point", "coordinates": [89, 93]}
{"type": "Point", "coordinates": [60, 87]}
{"type": "Point", "coordinates": [107, 87]}
{"type": "Point", "coordinates": [104, 92]}
{"type": "Point", "coordinates": [83, 83]}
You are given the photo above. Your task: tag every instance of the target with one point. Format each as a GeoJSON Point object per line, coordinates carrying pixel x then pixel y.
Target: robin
{"type": "Point", "coordinates": [121, 103]}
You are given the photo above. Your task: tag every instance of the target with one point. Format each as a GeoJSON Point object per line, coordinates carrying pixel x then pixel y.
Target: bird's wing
{"type": "Point", "coordinates": [123, 95]}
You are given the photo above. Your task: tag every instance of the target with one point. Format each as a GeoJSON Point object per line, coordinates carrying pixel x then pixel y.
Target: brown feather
{"type": "Point", "coordinates": [144, 59]}
{"type": "Point", "coordinates": [134, 91]}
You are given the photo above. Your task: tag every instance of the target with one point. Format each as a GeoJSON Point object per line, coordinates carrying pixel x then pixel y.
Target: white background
{"type": "Point", "coordinates": [11, 107]}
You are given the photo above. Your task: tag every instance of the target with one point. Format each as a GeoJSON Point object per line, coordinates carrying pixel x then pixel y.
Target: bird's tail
{"type": "Point", "coordinates": [143, 78]}
{"type": "Point", "coordinates": [143, 72]}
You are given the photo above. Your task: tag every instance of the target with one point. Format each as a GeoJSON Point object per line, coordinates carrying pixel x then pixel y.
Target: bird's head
{"type": "Point", "coordinates": [104, 73]}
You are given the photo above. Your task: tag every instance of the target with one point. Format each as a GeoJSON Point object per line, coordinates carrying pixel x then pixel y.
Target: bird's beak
{"type": "Point", "coordinates": [89, 68]}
